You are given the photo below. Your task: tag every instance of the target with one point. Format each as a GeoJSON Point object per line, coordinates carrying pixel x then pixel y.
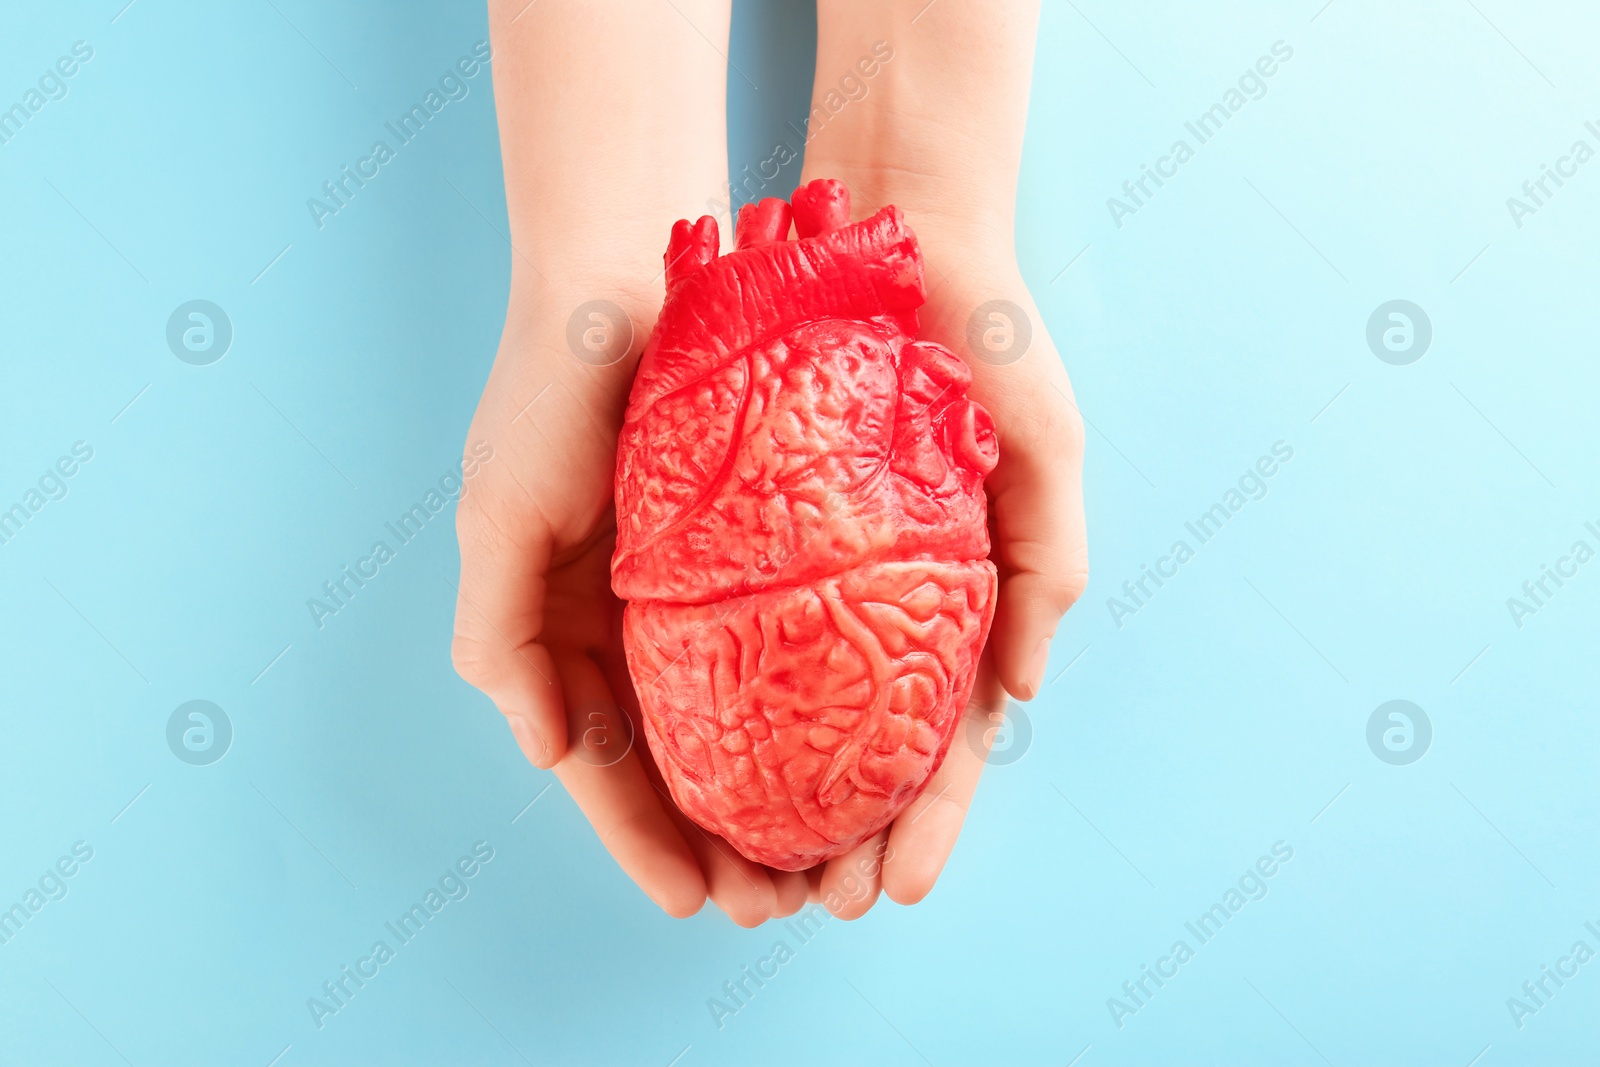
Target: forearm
{"type": "Point", "coordinates": [612, 125]}
{"type": "Point", "coordinates": [939, 130]}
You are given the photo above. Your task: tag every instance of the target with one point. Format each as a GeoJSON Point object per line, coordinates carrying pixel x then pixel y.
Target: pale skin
{"type": "Point", "coordinates": [612, 123]}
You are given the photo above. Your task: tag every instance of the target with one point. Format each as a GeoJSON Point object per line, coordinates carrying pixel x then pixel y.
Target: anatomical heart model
{"type": "Point", "coordinates": [801, 529]}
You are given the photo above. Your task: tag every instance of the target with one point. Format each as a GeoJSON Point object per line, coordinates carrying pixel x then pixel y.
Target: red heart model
{"type": "Point", "coordinates": [801, 529]}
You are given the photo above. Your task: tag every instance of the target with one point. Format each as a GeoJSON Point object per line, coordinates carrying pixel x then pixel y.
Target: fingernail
{"type": "Point", "coordinates": [533, 745]}
{"type": "Point", "coordinates": [1036, 667]}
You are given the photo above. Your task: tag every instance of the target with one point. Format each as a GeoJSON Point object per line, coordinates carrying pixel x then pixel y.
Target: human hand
{"type": "Point", "coordinates": [939, 133]}
{"type": "Point", "coordinates": [603, 148]}
{"type": "Point", "coordinates": [1037, 533]}
{"type": "Point", "coordinates": [538, 628]}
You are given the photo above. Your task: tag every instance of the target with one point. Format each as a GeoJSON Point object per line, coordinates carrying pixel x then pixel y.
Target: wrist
{"type": "Point", "coordinates": [581, 322]}
{"type": "Point", "coordinates": [963, 239]}
{"type": "Point", "coordinates": [924, 106]}
{"type": "Point", "coordinates": [951, 209]}
{"type": "Point", "coordinates": [605, 241]}
{"type": "Point", "coordinates": [552, 287]}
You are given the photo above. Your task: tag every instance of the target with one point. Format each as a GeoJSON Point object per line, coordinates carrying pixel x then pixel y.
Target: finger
{"type": "Point", "coordinates": [499, 611]}
{"type": "Point", "coordinates": [741, 888]}
{"type": "Point", "coordinates": [814, 883]}
{"type": "Point", "coordinates": [790, 888]}
{"type": "Point", "coordinates": [921, 839]}
{"type": "Point", "coordinates": [1040, 543]}
{"type": "Point", "coordinates": [616, 796]}
{"type": "Point", "coordinates": [851, 882]}
{"type": "Point", "coordinates": [530, 744]}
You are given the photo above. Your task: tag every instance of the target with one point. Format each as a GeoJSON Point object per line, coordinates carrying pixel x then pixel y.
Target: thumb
{"type": "Point", "coordinates": [499, 613]}
{"type": "Point", "coordinates": [1039, 540]}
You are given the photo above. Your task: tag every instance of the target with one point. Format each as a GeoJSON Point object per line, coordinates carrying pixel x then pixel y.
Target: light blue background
{"type": "Point", "coordinates": [1167, 755]}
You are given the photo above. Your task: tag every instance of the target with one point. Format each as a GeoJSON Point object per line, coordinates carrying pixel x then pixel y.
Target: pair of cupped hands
{"type": "Point", "coordinates": [538, 628]}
